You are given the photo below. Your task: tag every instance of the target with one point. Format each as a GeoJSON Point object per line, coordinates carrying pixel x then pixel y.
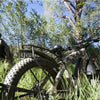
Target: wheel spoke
{"type": "Point", "coordinates": [23, 90]}
{"type": "Point", "coordinates": [15, 98]}
{"type": "Point", "coordinates": [42, 83]}
{"type": "Point", "coordinates": [34, 75]}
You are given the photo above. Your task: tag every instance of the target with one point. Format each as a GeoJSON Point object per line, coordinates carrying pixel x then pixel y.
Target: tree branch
{"type": "Point", "coordinates": [71, 21]}
{"type": "Point", "coordinates": [70, 3]}
{"type": "Point", "coordinates": [78, 13]}
{"type": "Point", "coordinates": [69, 8]}
{"type": "Point", "coordinates": [96, 30]}
{"type": "Point", "coordinates": [73, 34]}
{"type": "Point", "coordinates": [95, 33]}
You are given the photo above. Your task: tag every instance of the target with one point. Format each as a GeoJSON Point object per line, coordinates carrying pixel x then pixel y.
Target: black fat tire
{"type": "Point", "coordinates": [24, 65]}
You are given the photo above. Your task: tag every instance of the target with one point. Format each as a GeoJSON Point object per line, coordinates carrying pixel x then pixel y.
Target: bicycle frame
{"type": "Point", "coordinates": [63, 70]}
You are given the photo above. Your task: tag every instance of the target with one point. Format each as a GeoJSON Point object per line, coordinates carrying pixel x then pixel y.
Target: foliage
{"type": "Point", "coordinates": [19, 27]}
{"type": "Point", "coordinates": [1, 71]}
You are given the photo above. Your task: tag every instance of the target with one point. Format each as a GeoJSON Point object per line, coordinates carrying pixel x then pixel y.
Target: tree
{"type": "Point", "coordinates": [21, 28]}
{"type": "Point", "coordinates": [56, 27]}
{"type": "Point", "coordinates": [16, 20]}
{"type": "Point", "coordinates": [74, 11]}
{"type": "Point", "coordinates": [36, 32]}
{"type": "Point", "coordinates": [76, 8]}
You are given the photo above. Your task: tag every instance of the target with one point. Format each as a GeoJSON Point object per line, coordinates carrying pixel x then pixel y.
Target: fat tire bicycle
{"type": "Point", "coordinates": [51, 68]}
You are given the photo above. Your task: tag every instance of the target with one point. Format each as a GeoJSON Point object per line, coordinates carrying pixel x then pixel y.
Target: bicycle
{"type": "Point", "coordinates": [51, 71]}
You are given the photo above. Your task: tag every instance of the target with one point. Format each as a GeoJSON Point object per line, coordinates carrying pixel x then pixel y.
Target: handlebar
{"type": "Point", "coordinates": [83, 44]}
{"type": "Point", "coordinates": [59, 49]}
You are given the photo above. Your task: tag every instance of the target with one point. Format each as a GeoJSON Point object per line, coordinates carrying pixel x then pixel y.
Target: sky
{"type": "Point", "coordinates": [38, 8]}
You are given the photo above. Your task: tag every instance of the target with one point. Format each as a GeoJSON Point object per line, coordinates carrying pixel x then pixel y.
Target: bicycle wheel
{"type": "Point", "coordinates": [33, 79]}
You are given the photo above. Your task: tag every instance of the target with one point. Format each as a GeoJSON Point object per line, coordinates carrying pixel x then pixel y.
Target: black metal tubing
{"type": "Point", "coordinates": [75, 73]}
{"type": "Point", "coordinates": [16, 88]}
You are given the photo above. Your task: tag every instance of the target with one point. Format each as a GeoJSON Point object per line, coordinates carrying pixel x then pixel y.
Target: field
{"type": "Point", "coordinates": [84, 91]}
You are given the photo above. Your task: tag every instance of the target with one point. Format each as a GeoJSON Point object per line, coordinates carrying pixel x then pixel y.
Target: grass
{"type": "Point", "coordinates": [83, 90]}
{"type": "Point", "coordinates": [3, 71]}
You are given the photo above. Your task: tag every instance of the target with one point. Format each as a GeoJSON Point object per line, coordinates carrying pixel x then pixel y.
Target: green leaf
{"type": "Point", "coordinates": [9, 6]}
{"type": "Point", "coordinates": [81, 3]}
{"type": "Point", "coordinates": [0, 17]}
